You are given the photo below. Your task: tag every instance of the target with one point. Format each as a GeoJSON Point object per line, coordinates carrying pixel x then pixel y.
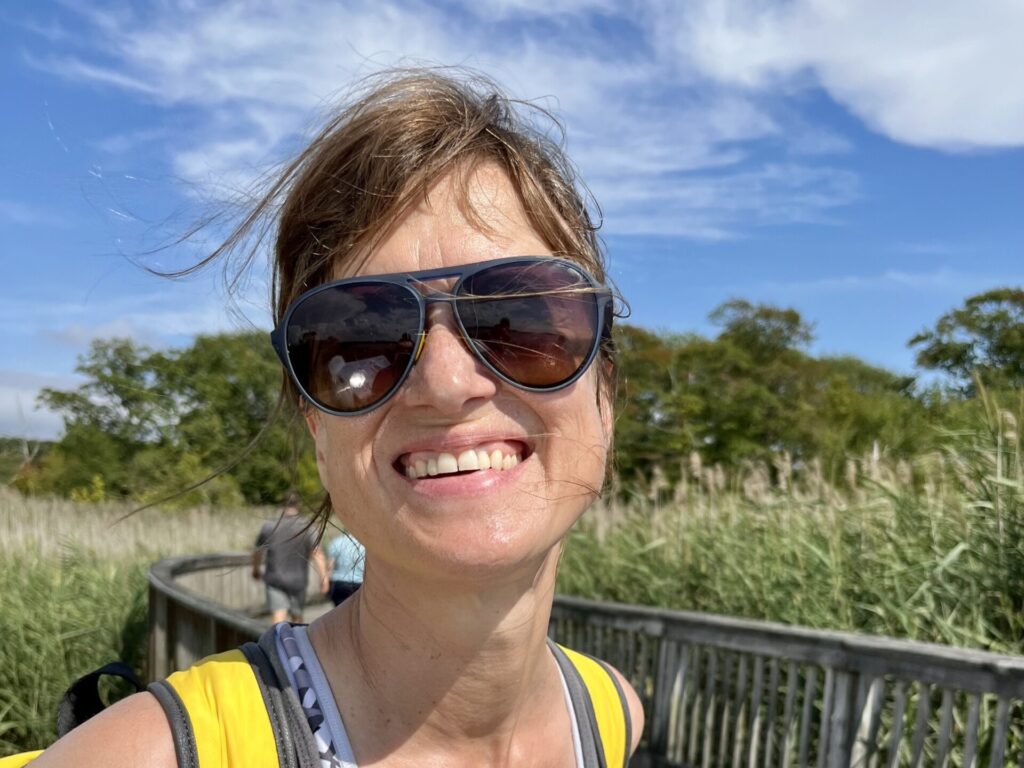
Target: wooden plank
{"type": "Point", "coordinates": [867, 716]}
{"type": "Point", "coordinates": [876, 701]}
{"type": "Point", "coordinates": [622, 641]}
{"type": "Point", "coordinates": [710, 705]}
{"type": "Point", "coordinates": [945, 729]}
{"type": "Point", "coordinates": [740, 731]}
{"type": "Point", "coordinates": [631, 653]}
{"type": "Point", "coordinates": [999, 737]}
{"type": "Point", "coordinates": [677, 716]}
{"type": "Point", "coordinates": [810, 696]}
{"type": "Point", "coordinates": [696, 711]}
{"type": "Point", "coordinates": [970, 759]}
{"type": "Point", "coordinates": [898, 714]}
{"type": "Point", "coordinates": [757, 691]}
{"type": "Point", "coordinates": [839, 746]}
{"type": "Point", "coordinates": [920, 725]}
{"type": "Point", "coordinates": [728, 716]}
{"type": "Point", "coordinates": [685, 676]}
{"type": "Point", "coordinates": [769, 723]}
{"type": "Point", "coordinates": [824, 730]}
{"type": "Point", "coordinates": [158, 666]}
{"type": "Point", "coordinates": [658, 728]}
{"type": "Point", "coordinates": [788, 716]}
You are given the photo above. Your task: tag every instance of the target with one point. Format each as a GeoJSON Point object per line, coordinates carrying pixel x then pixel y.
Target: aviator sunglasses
{"type": "Point", "coordinates": [536, 322]}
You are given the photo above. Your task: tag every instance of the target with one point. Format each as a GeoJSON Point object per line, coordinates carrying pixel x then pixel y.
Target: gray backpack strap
{"type": "Point", "coordinates": [292, 734]}
{"type": "Point", "coordinates": [181, 725]}
{"type": "Point", "coordinates": [625, 707]}
{"type": "Point", "coordinates": [586, 721]}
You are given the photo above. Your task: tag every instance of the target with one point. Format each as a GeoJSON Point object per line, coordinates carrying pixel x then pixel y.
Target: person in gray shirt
{"type": "Point", "coordinates": [287, 545]}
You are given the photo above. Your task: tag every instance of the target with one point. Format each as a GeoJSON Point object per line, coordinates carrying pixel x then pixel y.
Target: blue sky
{"type": "Point", "coordinates": [861, 161]}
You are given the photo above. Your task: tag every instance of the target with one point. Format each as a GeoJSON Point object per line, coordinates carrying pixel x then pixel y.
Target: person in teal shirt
{"type": "Point", "coordinates": [345, 558]}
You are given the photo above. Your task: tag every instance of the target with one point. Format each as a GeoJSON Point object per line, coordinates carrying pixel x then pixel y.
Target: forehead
{"type": "Point", "coordinates": [464, 218]}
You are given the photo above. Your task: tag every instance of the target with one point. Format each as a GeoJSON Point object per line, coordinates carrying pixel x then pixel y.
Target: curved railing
{"type": "Point", "coordinates": [717, 691]}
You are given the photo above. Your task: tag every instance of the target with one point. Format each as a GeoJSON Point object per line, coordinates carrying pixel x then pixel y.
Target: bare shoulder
{"type": "Point", "coordinates": [132, 732]}
{"type": "Point", "coordinates": [636, 709]}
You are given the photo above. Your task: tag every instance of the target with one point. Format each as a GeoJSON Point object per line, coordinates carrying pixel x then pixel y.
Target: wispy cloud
{"type": "Point", "coordinates": [155, 319]}
{"type": "Point", "coordinates": [20, 415]}
{"type": "Point", "coordinates": [640, 118]}
{"type": "Point", "coordinates": [942, 280]}
{"type": "Point", "coordinates": [929, 248]}
{"type": "Point", "coordinates": [124, 142]}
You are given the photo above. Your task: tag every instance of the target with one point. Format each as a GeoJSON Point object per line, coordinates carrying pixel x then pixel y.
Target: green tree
{"type": "Point", "coordinates": [985, 337]}
{"type": "Point", "coordinates": [763, 331]}
{"type": "Point", "coordinates": [152, 424]}
{"type": "Point", "coordinates": [655, 410]}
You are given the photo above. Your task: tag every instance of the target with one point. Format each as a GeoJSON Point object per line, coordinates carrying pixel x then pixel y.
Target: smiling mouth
{"type": "Point", "coordinates": [425, 464]}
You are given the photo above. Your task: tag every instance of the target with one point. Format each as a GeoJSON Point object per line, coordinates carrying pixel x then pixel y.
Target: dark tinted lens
{"type": "Point", "coordinates": [536, 322]}
{"type": "Point", "coordinates": [351, 344]}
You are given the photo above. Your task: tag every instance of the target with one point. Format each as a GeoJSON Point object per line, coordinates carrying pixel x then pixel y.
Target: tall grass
{"type": "Point", "coordinates": [931, 550]}
{"type": "Point", "coordinates": [73, 595]}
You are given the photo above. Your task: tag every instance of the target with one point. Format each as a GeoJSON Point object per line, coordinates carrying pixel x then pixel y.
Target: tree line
{"type": "Point", "coordinates": [151, 424]}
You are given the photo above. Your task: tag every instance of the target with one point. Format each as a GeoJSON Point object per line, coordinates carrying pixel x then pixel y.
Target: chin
{"type": "Point", "coordinates": [473, 556]}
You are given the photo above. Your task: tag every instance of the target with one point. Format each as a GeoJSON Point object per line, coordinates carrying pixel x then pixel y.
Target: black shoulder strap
{"type": "Point", "coordinates": [82, 700]}
{"type": "Point", "coordinates": [590, 739]}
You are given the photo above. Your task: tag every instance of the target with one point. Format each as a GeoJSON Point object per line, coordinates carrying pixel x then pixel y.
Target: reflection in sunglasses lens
{"type": "Point", "coordinates": [537, 324]}
{"type": "Point", "coordinates": [350, 345]}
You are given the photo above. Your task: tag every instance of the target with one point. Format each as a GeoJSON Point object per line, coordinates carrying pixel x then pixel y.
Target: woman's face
{"type": "Point", "coordinates": [476, 524]}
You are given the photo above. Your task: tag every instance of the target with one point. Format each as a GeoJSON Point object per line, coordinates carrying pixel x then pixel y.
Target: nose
{"type": "Point", "coordinates": [447, 376]}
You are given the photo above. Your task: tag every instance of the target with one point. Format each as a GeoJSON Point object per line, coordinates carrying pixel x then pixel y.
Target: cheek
{"type": "Point", "coordinates": [582, 425]}
{"type": "Point", "coordinates": [343, 468]}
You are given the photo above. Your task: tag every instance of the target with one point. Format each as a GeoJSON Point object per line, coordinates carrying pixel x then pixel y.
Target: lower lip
{"type": "Point", "coordinates": [472, 484]}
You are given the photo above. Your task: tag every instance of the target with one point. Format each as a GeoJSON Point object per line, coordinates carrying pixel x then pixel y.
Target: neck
{"type": "Point", "coordinates": [439, 664]}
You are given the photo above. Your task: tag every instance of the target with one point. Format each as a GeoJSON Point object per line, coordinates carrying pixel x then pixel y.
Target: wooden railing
{"type": "Point", "coordinates": [717, 691]}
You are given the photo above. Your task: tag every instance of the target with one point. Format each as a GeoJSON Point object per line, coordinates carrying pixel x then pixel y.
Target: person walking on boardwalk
{"type": "Point", "coordinates": [345, 557]}
{"type": "Point", "coordinates": [287, 545]}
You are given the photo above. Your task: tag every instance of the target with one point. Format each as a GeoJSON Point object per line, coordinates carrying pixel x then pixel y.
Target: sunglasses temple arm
{"type": "Point", "coordinates": [607, 318]}
{"type": "Point", "coordinates": [279, 348]}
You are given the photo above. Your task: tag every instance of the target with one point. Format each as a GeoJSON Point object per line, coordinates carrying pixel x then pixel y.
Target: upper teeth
{"type": "Point", "coordinates": [449, 463]}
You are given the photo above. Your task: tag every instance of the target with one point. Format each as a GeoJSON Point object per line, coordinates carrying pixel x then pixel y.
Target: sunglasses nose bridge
{"type": "Point", "coordinates": [434, 313]}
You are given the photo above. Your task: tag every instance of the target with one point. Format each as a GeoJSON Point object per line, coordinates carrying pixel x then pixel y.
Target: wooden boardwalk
{"type": "Point", "coordinates": [718, 692]}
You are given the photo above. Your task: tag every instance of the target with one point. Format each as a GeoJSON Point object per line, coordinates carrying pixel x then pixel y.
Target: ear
{"type": "Point", "coordinates": [604, 404]}
{"type": "Point", "coordinates": [311, 417]}
{"type": "Point", "coordinates": [313, 424]}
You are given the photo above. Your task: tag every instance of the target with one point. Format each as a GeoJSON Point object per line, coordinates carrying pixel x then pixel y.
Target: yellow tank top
{"type": "Point", "coordinates": [218, 710]}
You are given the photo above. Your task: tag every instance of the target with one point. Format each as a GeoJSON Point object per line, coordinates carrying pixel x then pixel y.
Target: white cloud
{"type": "Point", "coordinates": [155, 319]}
{"type": "Point", "coordinates": [933, 74]}
{"type": "Point", "coordinates": [707, 206]}
{"type": "Point", "coordinates": [255, 74]}
{"type": "Point", "coordinates": [19, 414]}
